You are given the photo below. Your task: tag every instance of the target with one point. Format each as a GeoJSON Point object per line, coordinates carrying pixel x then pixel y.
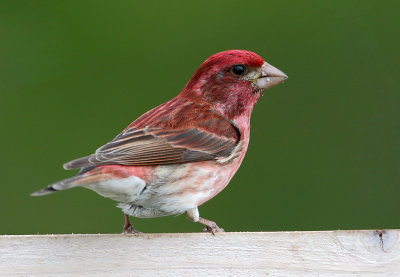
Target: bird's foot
{"type": "Point", "coordinates": [213, 229]}
{"type": "Point", "coordinates": [130, 230]}
{"type": "Point", "coordinates": [128, 227]}
{"type": "Point", "coordinates": [211, 226]}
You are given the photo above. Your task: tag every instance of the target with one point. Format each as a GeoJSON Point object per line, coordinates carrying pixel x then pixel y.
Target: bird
{"type": "Point", "coordinates": [179, 155]}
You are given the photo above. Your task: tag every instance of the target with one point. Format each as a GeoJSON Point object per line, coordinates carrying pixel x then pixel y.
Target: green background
{"type": "Point", "coordinates": [325, 145]}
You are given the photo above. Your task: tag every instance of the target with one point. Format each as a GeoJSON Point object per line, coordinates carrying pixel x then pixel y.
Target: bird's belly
{"type": "Point", "coordinates": [164, 190]}
{"type": "Point", "coordinates": [178, 188]}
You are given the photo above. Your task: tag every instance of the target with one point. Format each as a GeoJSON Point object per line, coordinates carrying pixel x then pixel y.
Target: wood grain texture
{"type": "Point", "coordinates": [326, 253]}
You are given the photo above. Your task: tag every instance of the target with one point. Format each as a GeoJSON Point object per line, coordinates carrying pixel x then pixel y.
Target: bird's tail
{"type": "Point", "coordinates": [75, 181]}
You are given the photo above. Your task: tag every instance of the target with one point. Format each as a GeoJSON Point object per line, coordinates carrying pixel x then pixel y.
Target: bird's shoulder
{"type": "Point", "coordinates": [181, 113]}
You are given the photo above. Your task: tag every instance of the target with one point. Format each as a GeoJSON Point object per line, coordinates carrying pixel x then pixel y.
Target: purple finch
{"type": "Point", "coordinates": [182, 153]}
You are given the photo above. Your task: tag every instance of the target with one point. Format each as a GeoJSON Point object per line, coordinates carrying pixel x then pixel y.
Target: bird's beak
{"type": "Point", "coordinates": [269, 76]}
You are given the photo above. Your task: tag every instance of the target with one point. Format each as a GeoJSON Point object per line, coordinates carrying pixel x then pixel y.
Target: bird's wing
{"type": "Point", "coordinates": [182, 140]}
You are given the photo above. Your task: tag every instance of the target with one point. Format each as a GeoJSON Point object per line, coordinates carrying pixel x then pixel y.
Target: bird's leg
{"type": "Point", "coordinates": [128, 227]}
{"type": "Point", "coordinates": [211, 226]}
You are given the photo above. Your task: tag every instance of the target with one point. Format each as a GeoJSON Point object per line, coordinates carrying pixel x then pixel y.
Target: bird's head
{"type": "Point", "coordinates": [232, 81]}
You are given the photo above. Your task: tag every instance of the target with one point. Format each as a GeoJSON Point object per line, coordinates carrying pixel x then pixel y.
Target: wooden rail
{"type": "Point", "coordinates": [326, 253]}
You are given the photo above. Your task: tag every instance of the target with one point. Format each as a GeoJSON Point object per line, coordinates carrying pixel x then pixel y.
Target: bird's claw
{"type": "Point", "coordinates": [128, 229]}
{"type": "Point", "coordinates": [213, 229]}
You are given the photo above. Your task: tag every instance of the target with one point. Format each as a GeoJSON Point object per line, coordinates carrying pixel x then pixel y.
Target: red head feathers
{"type": "Point", "coordinates": [231, 81]}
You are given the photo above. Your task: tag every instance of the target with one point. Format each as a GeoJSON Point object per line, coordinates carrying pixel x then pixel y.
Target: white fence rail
{"type": "Point", "coordinates": [326, 253]}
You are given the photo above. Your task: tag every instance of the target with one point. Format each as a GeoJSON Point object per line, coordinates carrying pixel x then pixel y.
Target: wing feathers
{"type": "Point", "coordinates": [154, 145]}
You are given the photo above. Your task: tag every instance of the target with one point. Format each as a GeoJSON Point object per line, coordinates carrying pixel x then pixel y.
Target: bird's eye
{"type": "Point", "coordinates": [238, 69]}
